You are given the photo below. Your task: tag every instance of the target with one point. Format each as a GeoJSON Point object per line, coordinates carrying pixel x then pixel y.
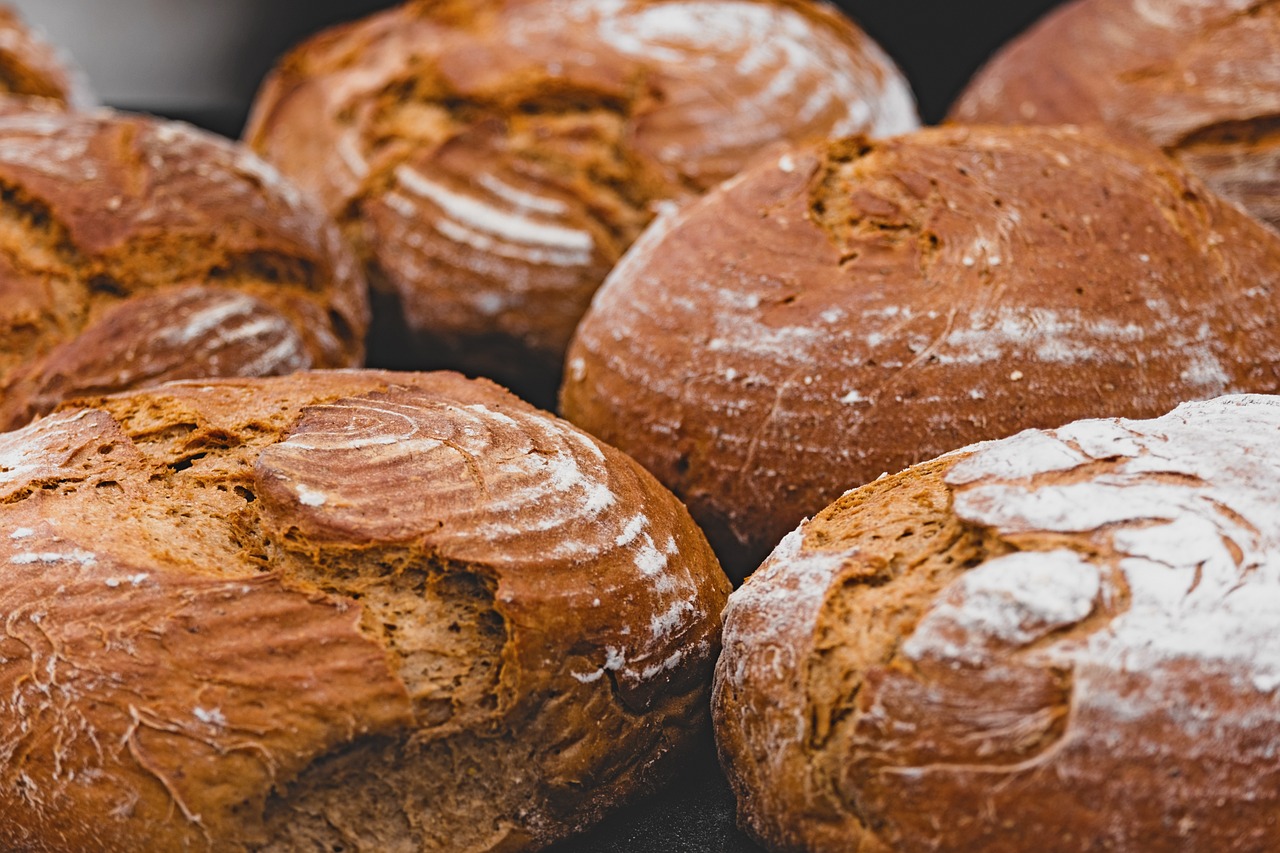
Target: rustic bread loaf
{"type": "Point", "coordinates": [1200, 79]}
{"type": "Point", "coordinates": [134, 250]}
{"type": "Point", "coordinates": [32, 71]}
{"type": "Point", "coordinates": [492, 160]}
{"type": "Point", "coordinates": [337, 611]}
{"type": "Point", "coordinates": [1062, 641]}
{"type": "Point", "coordinates": [852, 308]}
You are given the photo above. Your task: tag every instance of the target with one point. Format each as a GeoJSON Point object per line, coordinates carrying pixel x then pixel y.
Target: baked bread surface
{"type": "Point", "coordinates": [493, 160]}
{"type": "Point", "coordinates": [848, 309]}
{"type": "Point", "coordinates": [1061, 641]}
{"type": "Point", "coordinates": [33, 72]}
{"type": "Point", "coordinates": [337, 610]}
{"type": "Point", "coordinates": [1200, 79]}
{"type": "Point", "coordinates": [135, 250]}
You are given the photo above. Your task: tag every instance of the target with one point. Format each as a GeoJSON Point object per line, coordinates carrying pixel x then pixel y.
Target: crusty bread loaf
{"type": "Point", "coordinates": [1062, 641]}
{"type": "Point", "coordinates": [493, 159]}
{"type": "Point", "coordinates": [349, 611]}
{"type": "Point", "coordinates": [1201, 79]}
{"type": "Point", "coordinates": [32, 71]}
{"type": "Point", "coordinates": [134, 250]}
{"type": "Point", "coordinates": [852, 308]}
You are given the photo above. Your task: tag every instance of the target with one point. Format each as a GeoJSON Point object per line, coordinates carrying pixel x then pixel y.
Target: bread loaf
{"type": "Point", "coordinates": [337, 611]}
{"type": "Point", "coordinates": [849, 309]}
{"type": "Point", "coordinates": [134, 250]}
{"type": "Point", "coordinates": [492, 160]}
{"type": "Point", "coordinates": [1197, 78]}
{"type": "Point", "coordinates": [32, 72]}
{"type": "Point", "coordinates": [1062, 641]}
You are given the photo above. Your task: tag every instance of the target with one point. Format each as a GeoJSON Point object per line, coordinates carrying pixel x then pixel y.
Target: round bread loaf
{"type": "Point", "coordinates": [32, 70]}
{"type": "Point", "coordinates": [492, 160]}
{"type": "Point", "coordinates": [1200, 79]}
{"type": "Point", "coordinates": [852, 308]}
{"type": "Point", "coordinates": [1062, 641]}
{"type": "Point", "coordinates": [337, 611]}
{"type": "Point", "coordinates": [134, 250]}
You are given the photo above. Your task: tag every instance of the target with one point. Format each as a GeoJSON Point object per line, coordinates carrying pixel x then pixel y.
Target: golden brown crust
{"type": "Point", "coordinates": [32, 72]}
{"type": "Point", "coordinates": [134, 250]}
{"type": "Point", "coordinates": [1196, 78]}
{"type": "Point", "coordinates": [852, 308]}
{"type": "Point", "coordinates": [385, 611]}
{"type": "Point", "coordinates": [492, 161]}
{"type": "Point", "coordinates": [1061, 636]}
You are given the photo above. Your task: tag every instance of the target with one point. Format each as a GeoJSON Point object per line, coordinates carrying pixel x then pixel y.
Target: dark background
{"type": "Point", "coordinates": [939, 44]}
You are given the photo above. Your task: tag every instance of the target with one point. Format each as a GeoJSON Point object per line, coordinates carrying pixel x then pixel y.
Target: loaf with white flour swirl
{"type": "Point", "coordinates": [1062, 640]}
{"type": "Point", "coordinates": [346, 610]}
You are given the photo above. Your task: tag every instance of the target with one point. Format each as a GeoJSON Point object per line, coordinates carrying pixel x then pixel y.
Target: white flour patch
{"type": "Point", "coordinates": [310, 497]}
{"type": "Point", "coordinates": [1011, 601]}
{"type": "Point", "coordinates": [1187, 501]}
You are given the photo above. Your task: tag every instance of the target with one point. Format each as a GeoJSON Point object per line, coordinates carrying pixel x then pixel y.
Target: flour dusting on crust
{"type": "Point", "coordinates": [1187, 503]}
{"type": "Point", "coordinates": [1115, 621]}
{"type": "Point", "coordinates": [503, 486]}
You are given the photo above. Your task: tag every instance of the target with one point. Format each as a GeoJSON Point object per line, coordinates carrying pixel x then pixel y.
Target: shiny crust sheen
{"type": "Point", "coordinates": [846, 310]}
{"type": "Point", "coordinates": [1196, 77]}
{"type": "Point", "coordinates": [134, 250]}
{"type": "Point", "coordinates": [493, 160]}
{"type": "Point", "coordinates": [1065, 636]}
{"type": "Point", "coordinates": [214, 592]}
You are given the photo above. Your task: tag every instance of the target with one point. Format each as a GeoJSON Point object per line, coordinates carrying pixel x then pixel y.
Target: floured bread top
{"type": "Point", "coordinates": [134, 250]}
{"type": "Point", "coordinates": [493, 160]}
{"type": "Point", "coordinates": [32, 70]}
{"type": "Point", "coordinates": [1200, 78]}
{"type": "Point", "coordinates": [848, 309]}
{"type": "Point", "coordinates": [218, 595]}
{"type": "Point", "coordinates": [1081, 643]}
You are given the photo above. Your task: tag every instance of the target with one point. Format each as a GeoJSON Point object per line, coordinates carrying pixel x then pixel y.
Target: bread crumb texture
{"type": "Point", "coordinates": [1197, 78]}
{"type": "Point", "coordinates": [1065, 636]}
{"type": "Point", "coordinates": [339, 611]}
{"type": "Point", "coordinates": [493, 160]}
{"type": "Point", "coordinates": [135, 250]}
{"type": "Point", "coordinates": [848, 309]}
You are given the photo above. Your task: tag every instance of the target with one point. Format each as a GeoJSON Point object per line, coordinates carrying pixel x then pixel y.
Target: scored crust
{"type": "Point", "coordinates": [493, 160]}
{"type": "Point", "coordinates": [349, 610]}
{"type": "Point", "coordinates": [851, 308]}
{"type": "Point", "coordinates": [135, 250]}
{"type": "Point", "coordinates": [1196, 78]}
{"type": "Point", "coordinates": [1065, 636]}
